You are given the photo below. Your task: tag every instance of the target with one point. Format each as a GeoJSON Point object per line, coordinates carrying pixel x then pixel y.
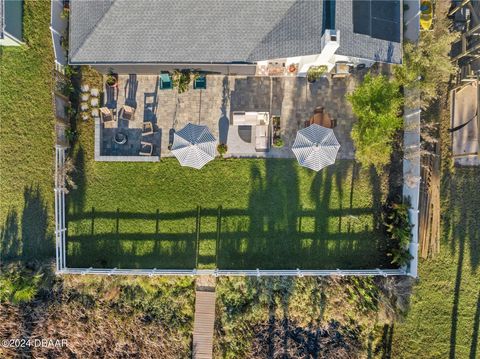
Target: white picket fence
{"type": "Point", "coordinates": [227, 272]}
{"type": "Point", "coordinates": [60, 223]}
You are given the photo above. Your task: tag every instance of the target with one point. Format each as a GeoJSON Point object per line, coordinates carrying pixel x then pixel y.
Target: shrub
{"type": "Point", "coordinates": [181, 79]}
{"type": "Point", "coordinates": [67, 88]}
{"type": "Point", "coordinates": [398, 228]}
{"type": "Point", "coordinates": [376, 103]}
{"type": "Point", "coordinates": [427, 65]}
{"type": "Point", "coordinates": [65, 14]}
{"type": "Point", "coordinates": [19, 285]}
{"type": "Point", "coordinates": [278, 142]}
{"type": "Point", "coordinates": [222, 149]}
{"type": "Point", "coordinates": [70, 71]}
{"type": "Point", "coordinates": [111, 80]}
{"type": "Point", "coordinates": [315, 72]}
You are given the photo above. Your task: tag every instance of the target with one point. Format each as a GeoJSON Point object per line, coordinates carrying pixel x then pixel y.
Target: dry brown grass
{"type": "Point", "coordinates": [105, 318]}
{"type": "Point", "coordinates": [334, 317]}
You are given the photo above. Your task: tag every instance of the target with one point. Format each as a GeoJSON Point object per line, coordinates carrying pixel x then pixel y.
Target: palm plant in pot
{"type": "Point", "coordinates": [112, 79]}
{"type": "Point", "coordinates": [181, 79]}
{"type": "Point", "coordinates": [315, 72]}
{"type": "Point", "coordinates": [222, 149]}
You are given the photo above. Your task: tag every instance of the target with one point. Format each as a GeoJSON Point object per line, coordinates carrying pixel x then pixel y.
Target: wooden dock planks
{"type": "Point", "coordinates": [204, 323]}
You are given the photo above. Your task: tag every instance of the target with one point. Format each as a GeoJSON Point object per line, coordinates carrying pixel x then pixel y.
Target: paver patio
{"type": "Point", "coordinates": [293, 99]}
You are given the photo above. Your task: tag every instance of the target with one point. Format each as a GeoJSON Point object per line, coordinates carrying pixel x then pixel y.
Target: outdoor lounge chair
{"type": "Point", "coordinates": [165, 82]}
{"type": "Point", "coordinates": [200, 83]}
{"type": "Point", "coordinates": [261, 138]}
{"type": "Point", "coordinates": [146, 149]}
{"type": "Point", "coordinates": [147, 129]}
{"type": "Point", "coordinates": [106, 114]}
{"type": "Point", "coordinates": [127, 113]}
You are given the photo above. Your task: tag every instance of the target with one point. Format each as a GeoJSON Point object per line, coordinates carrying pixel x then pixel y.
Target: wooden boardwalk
{"type": "Point", "coordinates": [204, 322]}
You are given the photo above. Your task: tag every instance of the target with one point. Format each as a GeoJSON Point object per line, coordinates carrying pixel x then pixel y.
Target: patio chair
{"type": "Point", "coordinates": [146, 149]}
{"type": "Point", "coordinates": [200, 83]}
{"type": "Point", "coordinates": [106, 114]}
{"type": "Point", "coordinates": [127, 113]}
{"type": "Point", "coordinates": [147, 129]}
{"type": "Point", "coordinates": [165, 82]}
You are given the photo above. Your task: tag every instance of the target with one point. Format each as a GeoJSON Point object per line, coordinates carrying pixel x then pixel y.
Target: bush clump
{"type": "Point", "coordinates": [315, 72]}
{"type": "Point", "coordinates": [398, 228]}
{"type": "Point", "coordinates": [222, 149]}
{"type": "Point", "coordinates": [376, 103]}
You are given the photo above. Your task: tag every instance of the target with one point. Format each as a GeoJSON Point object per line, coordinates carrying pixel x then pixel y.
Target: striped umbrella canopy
{"type": "Point", "coordinates": [194, 146]}
{"type": "Point", "coordinates": [315, 147]}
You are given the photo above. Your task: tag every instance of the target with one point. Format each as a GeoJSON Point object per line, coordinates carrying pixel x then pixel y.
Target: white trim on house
{"type": "Point", "coordinates": [10, 40]}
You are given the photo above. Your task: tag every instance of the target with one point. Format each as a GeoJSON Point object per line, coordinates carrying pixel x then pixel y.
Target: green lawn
{"type": "Point", "coordinates": [27, 140]}
{"type": "Point", "coordinates": [445, 314]}
{"type": "Point", "coordinates": [274, 214]}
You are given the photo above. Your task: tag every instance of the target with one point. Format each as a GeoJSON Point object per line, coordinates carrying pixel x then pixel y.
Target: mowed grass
{"type": "Point", "coordinates": [235, 214]}
{"type": "Point", "coordinates": [444, 318]}
{"type": "Point", "coordinates": [27, 140]}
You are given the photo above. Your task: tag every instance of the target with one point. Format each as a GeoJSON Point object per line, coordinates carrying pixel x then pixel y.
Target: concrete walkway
{"type": "Point", "coordinates": [204, 318]}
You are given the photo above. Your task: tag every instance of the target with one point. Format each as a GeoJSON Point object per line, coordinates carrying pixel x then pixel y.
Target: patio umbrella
{"type": "Point", "coordinates": [315, 147]}
{"type": "Point", "coordinates": [194, 146]}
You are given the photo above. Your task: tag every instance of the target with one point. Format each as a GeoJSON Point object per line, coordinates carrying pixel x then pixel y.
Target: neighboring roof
{"type": "Point", "coordinates": [211, 31]}
{"type": "Point", "coordinates": [364, 46]}
{"type": "Point", "coordinates": [11, 19]}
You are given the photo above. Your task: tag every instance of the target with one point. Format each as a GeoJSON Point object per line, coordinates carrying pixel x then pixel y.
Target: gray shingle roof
{"type": "Point", "coordinates": [363, 46]}
{"type": "Point", "coordinates": [207, 31]}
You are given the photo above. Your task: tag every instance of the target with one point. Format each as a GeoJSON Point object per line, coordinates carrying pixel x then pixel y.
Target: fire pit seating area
{"type": "Point", "coordinates": [260, 120]}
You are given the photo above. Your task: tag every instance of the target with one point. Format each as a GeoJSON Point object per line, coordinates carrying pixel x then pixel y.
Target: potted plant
{"type": "Point", "coordinates": [292, 68]}
{"type": "Point", "coordinates": [112, 80]}
{"type": "Point", "coordinates": [64, 41]}
{"type": "Point", "coordinates": [315, 72]}
{"type": "Point", "coordinates": [65, 13]}
{"type": "Point", "coordinates": [278, 142]}
{"type": "Point", "coordinates": [181, 79]}
{"type": "Point", "coordinates": [222, 149]}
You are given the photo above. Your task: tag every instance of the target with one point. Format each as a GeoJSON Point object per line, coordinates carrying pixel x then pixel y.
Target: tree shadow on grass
{"type": "Point", "coordinates": [320, 192]}
{"type": "Point", "coordinates": [31, 241]}
{"type": "Point", "coordinates": [387, 340]}
{"type": "Point", "coordinates": [10, 245]}
{"type": "Point", "coordinates": [37, 244]}
{"type": "Point", "coordinates": [463, 213]}
{"type": "Point", "coordinates": [77, 196]}
{"type": "Point", "coordinates": [476, 326]}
